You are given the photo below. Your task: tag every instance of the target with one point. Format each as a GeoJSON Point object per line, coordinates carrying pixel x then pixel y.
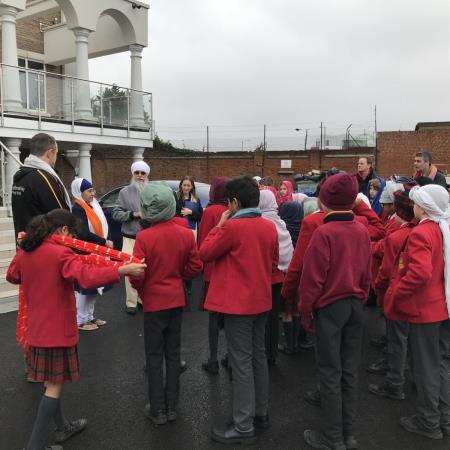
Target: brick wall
{"type": "Point", "coordinates": [396, 150]}
{"type": "Point", "coordinates": [112, 167]}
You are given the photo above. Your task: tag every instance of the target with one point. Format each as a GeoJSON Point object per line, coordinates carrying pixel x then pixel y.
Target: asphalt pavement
{"type": "Point", "coordinates": [112, 392]}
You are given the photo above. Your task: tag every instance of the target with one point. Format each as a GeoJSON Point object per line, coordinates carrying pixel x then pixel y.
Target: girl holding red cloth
{"type": "Point", "coordinates": [52, 334]}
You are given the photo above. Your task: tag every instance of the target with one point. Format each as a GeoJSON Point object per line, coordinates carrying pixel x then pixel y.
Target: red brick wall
{"type": "Point", "coordinates": [396, 150]}
{"type": "Point", "coordinates": [112, 167]}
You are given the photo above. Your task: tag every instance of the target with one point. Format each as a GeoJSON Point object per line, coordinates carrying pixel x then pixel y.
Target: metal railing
{"type": "Point", "coordinates": [3, 162]}
{"type": "Point", "coordinates": [49, 96]}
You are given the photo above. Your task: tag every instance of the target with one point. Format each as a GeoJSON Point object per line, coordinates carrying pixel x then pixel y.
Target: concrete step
{"type": "Point", "coordinates": [7, 287]}
{"type": "Point", "coordinates": [8, 301]}
{"type": "Point", "coordinates": [7, 250]}
{"type": "Point", "coordinates": [6, 223]}
{"type": "Point", "coordinates": [6, 236]}
{"type": "Point", "coordinates": [4, 264]}
{"type": "Point", "coordinates": [3, 211]}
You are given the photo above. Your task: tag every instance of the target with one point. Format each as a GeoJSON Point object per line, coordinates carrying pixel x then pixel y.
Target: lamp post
{"type": "Point", "coordinates": [306, 135]}
{"type": "Point", "coordinates": [347, 136]}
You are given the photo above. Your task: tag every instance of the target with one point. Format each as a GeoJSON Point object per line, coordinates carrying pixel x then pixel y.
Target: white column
{"type": "Point", "coordinates": [83, 110]}
{"type": "Point", "coordinates": [11, 82]}
{"type": "Point", "coordinates": [11, 167]}
{"type": "Point", "coordinates": [138, 154]}
{"type": "Point", "coordinates": [136, 98]}
{"type": "Point", "coordinates": [73, 156]}
{"type": "Point", "coordinates": [84, 161]}
{"type": "Point", "coordinates": [69, 94]}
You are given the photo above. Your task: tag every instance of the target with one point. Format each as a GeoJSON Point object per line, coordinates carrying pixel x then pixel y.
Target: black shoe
{"type": "Point", "coordinates": [261, 422]}
{"type": "Point", "coordinates": [307, 344]}
{"type": "Point", "coordinates": [350, 442]}
{"type": "Point", "coordinates": [211, 367]}
{"type": "Point", "coordinates": [387, 390]}
{"type": "Point", "coordinates": [158, 418]}
{"type": "Point", "coordinates": [413, 425]}
{"type": "Point", "coordinates": [130, 310]}
{"type": "Point", "coordinates": [232, 436]}
{"type": "Point", "coordinates": [379, 367]}
{"type": "Point", "coordinates": [271, 362]}
{"type": "Point", "coordinates": [379, 342]}
{"type": "Point", "coordinates": [74, 427]}
{"type": "Point", "coordinates": [224, 362]}
{"type": "Point", "coordinates": [171, 414]}
{"type": "Point", "coordinates": [313, 397]}
{"type": "Point", "coordinates": [445, 427]}
{"type": "Point", "coordinates": [183, 366]}
{"type": "Point", "coordinates": [316, 439]}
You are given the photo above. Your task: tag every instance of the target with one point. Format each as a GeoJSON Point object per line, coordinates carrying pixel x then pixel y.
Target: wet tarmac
{"type": "Point", "coordinates": [112, 392]}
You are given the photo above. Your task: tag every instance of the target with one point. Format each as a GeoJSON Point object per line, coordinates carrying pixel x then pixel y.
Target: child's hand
{"type": "Point", "coordinates": [225, 216]}
{"type": "Point", "coordinates": [133, 269]}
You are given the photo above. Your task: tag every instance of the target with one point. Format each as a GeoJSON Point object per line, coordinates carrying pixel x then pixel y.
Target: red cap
{"type": "Point", "coordinates": [339, 192]}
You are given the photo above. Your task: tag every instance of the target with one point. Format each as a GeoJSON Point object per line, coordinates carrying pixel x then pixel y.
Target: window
{"type": "Point", "coordinates": [32, 84]}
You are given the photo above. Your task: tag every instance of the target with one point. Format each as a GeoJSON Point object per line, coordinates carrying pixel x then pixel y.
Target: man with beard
{"type": "Point", "coordinates": [128, 212]}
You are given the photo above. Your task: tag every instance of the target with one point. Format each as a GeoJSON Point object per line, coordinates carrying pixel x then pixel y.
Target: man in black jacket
{"type": "Point", "coordinates": [424, 168]}
{"type": "Point", "coordinates": [365, 174]}
{"type": "Point", "coordinates": [37, 189]}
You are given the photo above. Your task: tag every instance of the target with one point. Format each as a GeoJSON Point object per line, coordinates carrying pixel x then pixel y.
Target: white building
{"type": "Point", "coordinates": [45, 86]}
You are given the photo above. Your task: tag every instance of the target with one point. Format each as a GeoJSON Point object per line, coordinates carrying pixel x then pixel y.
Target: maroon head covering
{"type": "Point", "coordinates": [404, 206]}
{"type": "Point", "coordinates": [339, 192]}
{"type": "Point", "coordinates": [217, 191]}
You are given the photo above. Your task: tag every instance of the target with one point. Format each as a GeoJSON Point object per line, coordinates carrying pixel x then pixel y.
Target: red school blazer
{"type": "Point", "coordinates": [245, 254]}
{"type": "Point", "coordinates": [388, 275]}
{"type": "Point", "coordinates": [171, 256]}
{"type": "Point", "coordinates": [309, 225]}
{"type": "Point", "coordinates": [210, 218]}
{"type": "Point", "coordinates": [47, 275]}
{"type": "Point", "coordinates": [420, 293]}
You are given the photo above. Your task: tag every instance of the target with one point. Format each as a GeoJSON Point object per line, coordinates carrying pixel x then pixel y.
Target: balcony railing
{"type": "Point", "coordinates": [52, 97]}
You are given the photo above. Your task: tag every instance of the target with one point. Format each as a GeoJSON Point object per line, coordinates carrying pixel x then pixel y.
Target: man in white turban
{"type": "Point", "coordinates": [422, 294]}
{"type": "Point", "coordinates": [128, 212]}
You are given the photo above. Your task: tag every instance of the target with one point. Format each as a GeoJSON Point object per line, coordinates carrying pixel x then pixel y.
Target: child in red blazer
{"type": "Point", "coordinates": [211, 216]}
{"type": "Point", "coordinates": [172, 256]}
{"type": "Point", "coordinates": [334, 286]}
{"type": "Point", "coordinates": [397, 328]}
{"type": "Point", "coordinates": [244, 248]}
{"type": "Point", "coordinates": [52, 333]}
{"type": "Point", "coordinates": [422, 295]}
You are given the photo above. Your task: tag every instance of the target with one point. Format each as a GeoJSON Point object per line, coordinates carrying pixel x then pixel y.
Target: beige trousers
{"type": "Point", "coordinates": [131, 293]}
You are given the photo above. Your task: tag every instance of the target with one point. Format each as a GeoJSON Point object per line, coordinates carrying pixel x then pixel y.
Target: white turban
{"type": "Point", "coordinates": [140, 166]}
{"type": "Point", "coordinates": [387, 196]}
{"type": "Point", "coordinates": [434, 200]}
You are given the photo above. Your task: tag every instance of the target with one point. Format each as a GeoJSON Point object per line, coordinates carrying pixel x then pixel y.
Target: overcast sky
{"type": "Point", "coordinates": [238, 64]}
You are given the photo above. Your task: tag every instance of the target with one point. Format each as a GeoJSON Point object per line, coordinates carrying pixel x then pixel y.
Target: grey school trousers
{"type": "Point", "coordinates": [245, 336]}
{"type": "Point", "coordinates": [397, 332]}
{"type": "Point", "coordinates": [339, 332]}
{"type": "Point", "coordinates": [429, 343]}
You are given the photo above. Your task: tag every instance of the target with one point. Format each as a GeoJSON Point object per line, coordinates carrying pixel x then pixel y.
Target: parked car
{"type": "Point", "coordinates": [108, 202]}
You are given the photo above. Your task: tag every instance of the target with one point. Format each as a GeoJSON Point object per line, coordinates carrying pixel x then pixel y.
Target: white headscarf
{"type": "Point", "coordinates": [434, 200]}
{"type": "Point", "coordinates": [76, 192]}
{"type": "Point", "coordinates": [387, 196]}
{"type": "Point", "coordinates": [269, 208]}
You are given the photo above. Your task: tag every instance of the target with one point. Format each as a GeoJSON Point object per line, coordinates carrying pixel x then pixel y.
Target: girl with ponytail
{"type": "Point", "coordinates": [47, 271]}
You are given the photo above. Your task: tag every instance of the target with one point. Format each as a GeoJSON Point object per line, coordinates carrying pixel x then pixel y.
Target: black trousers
{"type": "Point", "coordinates": [339, 331]}
{"type": "Point", "coordinates": [429, 344]}
{"type": "Point", "coordinates": [272, 324]}
{"type": "Point", "coordinates": [162, 335]}
{"type": "Point", "coordinates": [397, 332]}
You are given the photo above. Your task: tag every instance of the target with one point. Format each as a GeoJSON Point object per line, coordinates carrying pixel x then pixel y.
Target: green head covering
{"type": "Point", "coordinates": [157, 202]}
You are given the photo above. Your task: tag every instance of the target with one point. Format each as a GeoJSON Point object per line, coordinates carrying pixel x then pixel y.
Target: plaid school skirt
{"type": "Point", "coordinates": [53, 364]}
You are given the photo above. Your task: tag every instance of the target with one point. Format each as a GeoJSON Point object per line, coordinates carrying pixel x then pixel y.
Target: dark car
{"type": "Point", "coordinates": [108, 202]}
